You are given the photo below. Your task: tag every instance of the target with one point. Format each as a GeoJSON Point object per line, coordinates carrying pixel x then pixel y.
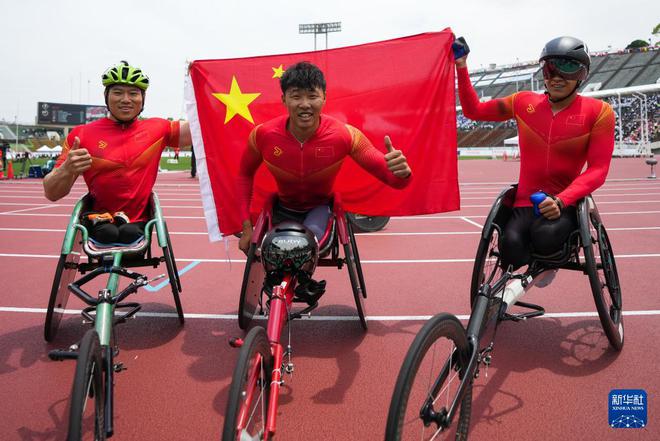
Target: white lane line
{"type": "Point", "coordinates": [598, 195]}
{"type": "Point", "coordinates": [471, 222]}
{"type": "Point", "coordinates": [36, 230]}
{"type": "Point", "coordinates": [76, 199]}
{"type": "Point", "coordinates": [410, 233]}
{"type": "Point", "coordinates": [24, 204]}
{"type": "Point", "coordinates": [413, 261]}
{"type": "Point", "coordinates": [603, 191]}
{"type": "Point", "coordinates": [598, 203]}
{"type": "Point", "coordinates": [433, 217]}
{"type": "Point", "coordinates": [337, 318]}
{"type": "Point", "coordinates": [27, 209]}
{"type": "Point", "coordinates": [619, 181]}
{"type": "Point", "coordinates": [168, 217]}
{"type": "Point", "coordinates": [420, 217]}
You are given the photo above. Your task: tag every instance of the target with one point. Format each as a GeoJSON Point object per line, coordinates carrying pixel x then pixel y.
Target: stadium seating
{"type": "Point", "coordinates": [608, 71]}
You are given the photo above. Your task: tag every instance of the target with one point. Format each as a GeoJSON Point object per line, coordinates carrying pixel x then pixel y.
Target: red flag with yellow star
{"type": "Point", "coordinates": [403, 88]}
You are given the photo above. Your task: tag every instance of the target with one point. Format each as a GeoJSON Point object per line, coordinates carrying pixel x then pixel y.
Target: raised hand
{"type": "Point", "coordinates": [396, 162]}
{"type": "Point", "coordinates": [461, 50]}
{"type": "Point", "coordinates": [78, 160]}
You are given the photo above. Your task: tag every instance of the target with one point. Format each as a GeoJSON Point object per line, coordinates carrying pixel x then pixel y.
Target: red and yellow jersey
{"type": "Point", "coordinates": [124, 161]}
{"type": "Point", "coordinates": [553, 148]}
{"type": "Point", "coordinates": [305, 172]}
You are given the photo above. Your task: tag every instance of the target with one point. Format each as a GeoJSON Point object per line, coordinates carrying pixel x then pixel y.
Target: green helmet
{"type": "Point", "coordinates": [127, 75]}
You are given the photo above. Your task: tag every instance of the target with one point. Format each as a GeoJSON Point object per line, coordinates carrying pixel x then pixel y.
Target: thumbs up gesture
{"type": "Point", "coordinates": [395, 161]}
{"type": "Point", "coordinates": [78, 159]}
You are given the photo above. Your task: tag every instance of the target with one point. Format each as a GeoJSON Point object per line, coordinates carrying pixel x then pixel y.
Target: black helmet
{"type": "Point", "coordinates": [289, 247]}
{"type": "Point", "coordinates": [569, 48]}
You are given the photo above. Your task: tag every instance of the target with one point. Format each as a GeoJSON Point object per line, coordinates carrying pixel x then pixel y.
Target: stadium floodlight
{"type": "Point", "coordinates": [319, 28]}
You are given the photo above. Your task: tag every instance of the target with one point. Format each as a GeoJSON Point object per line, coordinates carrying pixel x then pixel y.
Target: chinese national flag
{"type": "Point", "coordinates": [403, 88]}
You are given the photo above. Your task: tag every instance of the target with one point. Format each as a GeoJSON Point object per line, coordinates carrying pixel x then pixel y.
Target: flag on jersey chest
{"type": "Point", "coordinates": [403, 88]}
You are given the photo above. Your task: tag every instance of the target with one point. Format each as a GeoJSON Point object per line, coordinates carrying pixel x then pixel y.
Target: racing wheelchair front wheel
{"type": "Point", "coordinates": [87, 407]}
{"type": "Point", "coordinates": [247, 405]}
{"type": "Point", "coordinates": [603, 275]}
{"type": "Point", "coordinates": [429, 384]}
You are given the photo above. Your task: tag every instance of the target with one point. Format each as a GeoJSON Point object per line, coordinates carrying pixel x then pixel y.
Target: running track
{"type": "Point", "coordinates": [549, 379]}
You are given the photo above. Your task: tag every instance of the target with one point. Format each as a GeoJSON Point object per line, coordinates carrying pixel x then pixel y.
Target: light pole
{"type": "Point", "coordinates": [319, 28]}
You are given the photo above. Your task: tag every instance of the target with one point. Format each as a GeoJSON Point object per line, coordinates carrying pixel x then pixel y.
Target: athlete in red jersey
{"type": "Point", "coordinates": [118, 157]}
{"type": "Point", "coordinates": [559, 132]}
{"type": "Point", "coordinates": [304, 151]}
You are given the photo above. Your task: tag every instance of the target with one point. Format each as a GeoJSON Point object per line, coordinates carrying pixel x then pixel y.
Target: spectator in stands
{"type": "Point", "coordinates": [559, 132]}
{"type": "Point", "coordinates": [118, 157]}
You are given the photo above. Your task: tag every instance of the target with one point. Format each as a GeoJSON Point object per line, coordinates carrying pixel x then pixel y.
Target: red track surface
{"type": "Point", "coordinates": [550, 377]}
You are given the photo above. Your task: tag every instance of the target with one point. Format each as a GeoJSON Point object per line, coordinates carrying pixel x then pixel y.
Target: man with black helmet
{"type": "Point", "coordinates": [118, 157]}
{"type": "Point", "coordinates": [559, 132]}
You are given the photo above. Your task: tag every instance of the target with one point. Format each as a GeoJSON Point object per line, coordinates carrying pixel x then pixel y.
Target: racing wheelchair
{"type": "Point", "coordinates": [280, 260]}
{"type": "Point", "coordinates": [434, 385]}
{"type": "Point", "coordinates": [91, 403]}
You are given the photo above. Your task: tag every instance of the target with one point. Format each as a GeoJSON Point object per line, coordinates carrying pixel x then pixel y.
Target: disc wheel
{"type": "Point", "coordinates": [367, 224]}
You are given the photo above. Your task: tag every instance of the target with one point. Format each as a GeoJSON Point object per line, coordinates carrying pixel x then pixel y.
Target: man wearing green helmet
{"type": "Point", "coordinates": [118, 157]}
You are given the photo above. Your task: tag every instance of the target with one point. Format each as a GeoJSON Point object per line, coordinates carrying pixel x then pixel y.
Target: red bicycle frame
{"type": "Point", "coordinates": [280, 305]}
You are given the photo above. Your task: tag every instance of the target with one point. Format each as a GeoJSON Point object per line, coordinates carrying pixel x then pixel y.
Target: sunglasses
{"type": "Point", "coordinates": [567, 69]}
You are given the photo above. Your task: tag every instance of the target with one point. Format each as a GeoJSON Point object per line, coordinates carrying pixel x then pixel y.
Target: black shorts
{"type": "Point", "coordinates": [525, 234]}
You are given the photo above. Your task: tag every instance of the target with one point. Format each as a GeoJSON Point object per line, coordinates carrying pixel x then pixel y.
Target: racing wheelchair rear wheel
{"type": "Point", "coordinates": [603, 275]}
{"type": "Point", "coordinates": [65, 273]}
{"type": "Point", "coordinates": [251, 288]}
{"type": "Point", "coordinates": [355, 275]}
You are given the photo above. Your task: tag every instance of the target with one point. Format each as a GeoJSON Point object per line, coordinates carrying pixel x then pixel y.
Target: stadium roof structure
{"type": "Point", "coordinates": [608, 71]}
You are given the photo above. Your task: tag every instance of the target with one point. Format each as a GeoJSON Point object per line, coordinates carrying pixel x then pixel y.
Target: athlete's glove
{"type": "Point", "coordinates": [460, 48]}
{"type": "Point", "coordinates": [99, 218]}
{"type": "Point", "coordinates": [120, 218]}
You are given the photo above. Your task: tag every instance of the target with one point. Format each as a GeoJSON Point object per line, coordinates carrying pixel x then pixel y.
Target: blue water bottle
{"type": "Point", "coordinates": [536, 199]}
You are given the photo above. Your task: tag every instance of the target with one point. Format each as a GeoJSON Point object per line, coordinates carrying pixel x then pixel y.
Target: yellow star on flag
{"type": "Point", "coordinates": [278, 71]}
{"type": "Point", "coordinates": [237, 102]}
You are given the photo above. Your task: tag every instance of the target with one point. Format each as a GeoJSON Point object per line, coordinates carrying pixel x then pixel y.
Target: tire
{"type": "Point", "coordinates": [65, 273]}
{"type": "Point", "coordinates": [351, 266]}
{"type": "Point", "coordinates": [487, 269]}
{"type": "Point", "coordinates": [421, 377]}
{"type": "Point", "coordinates": [603, 277]}
{"type": "Point", "coordinates": [367, 224]}
{"type": "Point", "coordinates": [358, 264]}
{"type": "Point", "coordinates": [251, 288]}
{"type": "Point", "coordinates": [487, 263]}
{"type": "Point", "coordinates": [255, 353]}
{"type": "Point", "coordinates": [173, 275]}
{"type": "Point", "coordinates": [173, 260]}
{"type": "Point", "coordinates": [87, 406]}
